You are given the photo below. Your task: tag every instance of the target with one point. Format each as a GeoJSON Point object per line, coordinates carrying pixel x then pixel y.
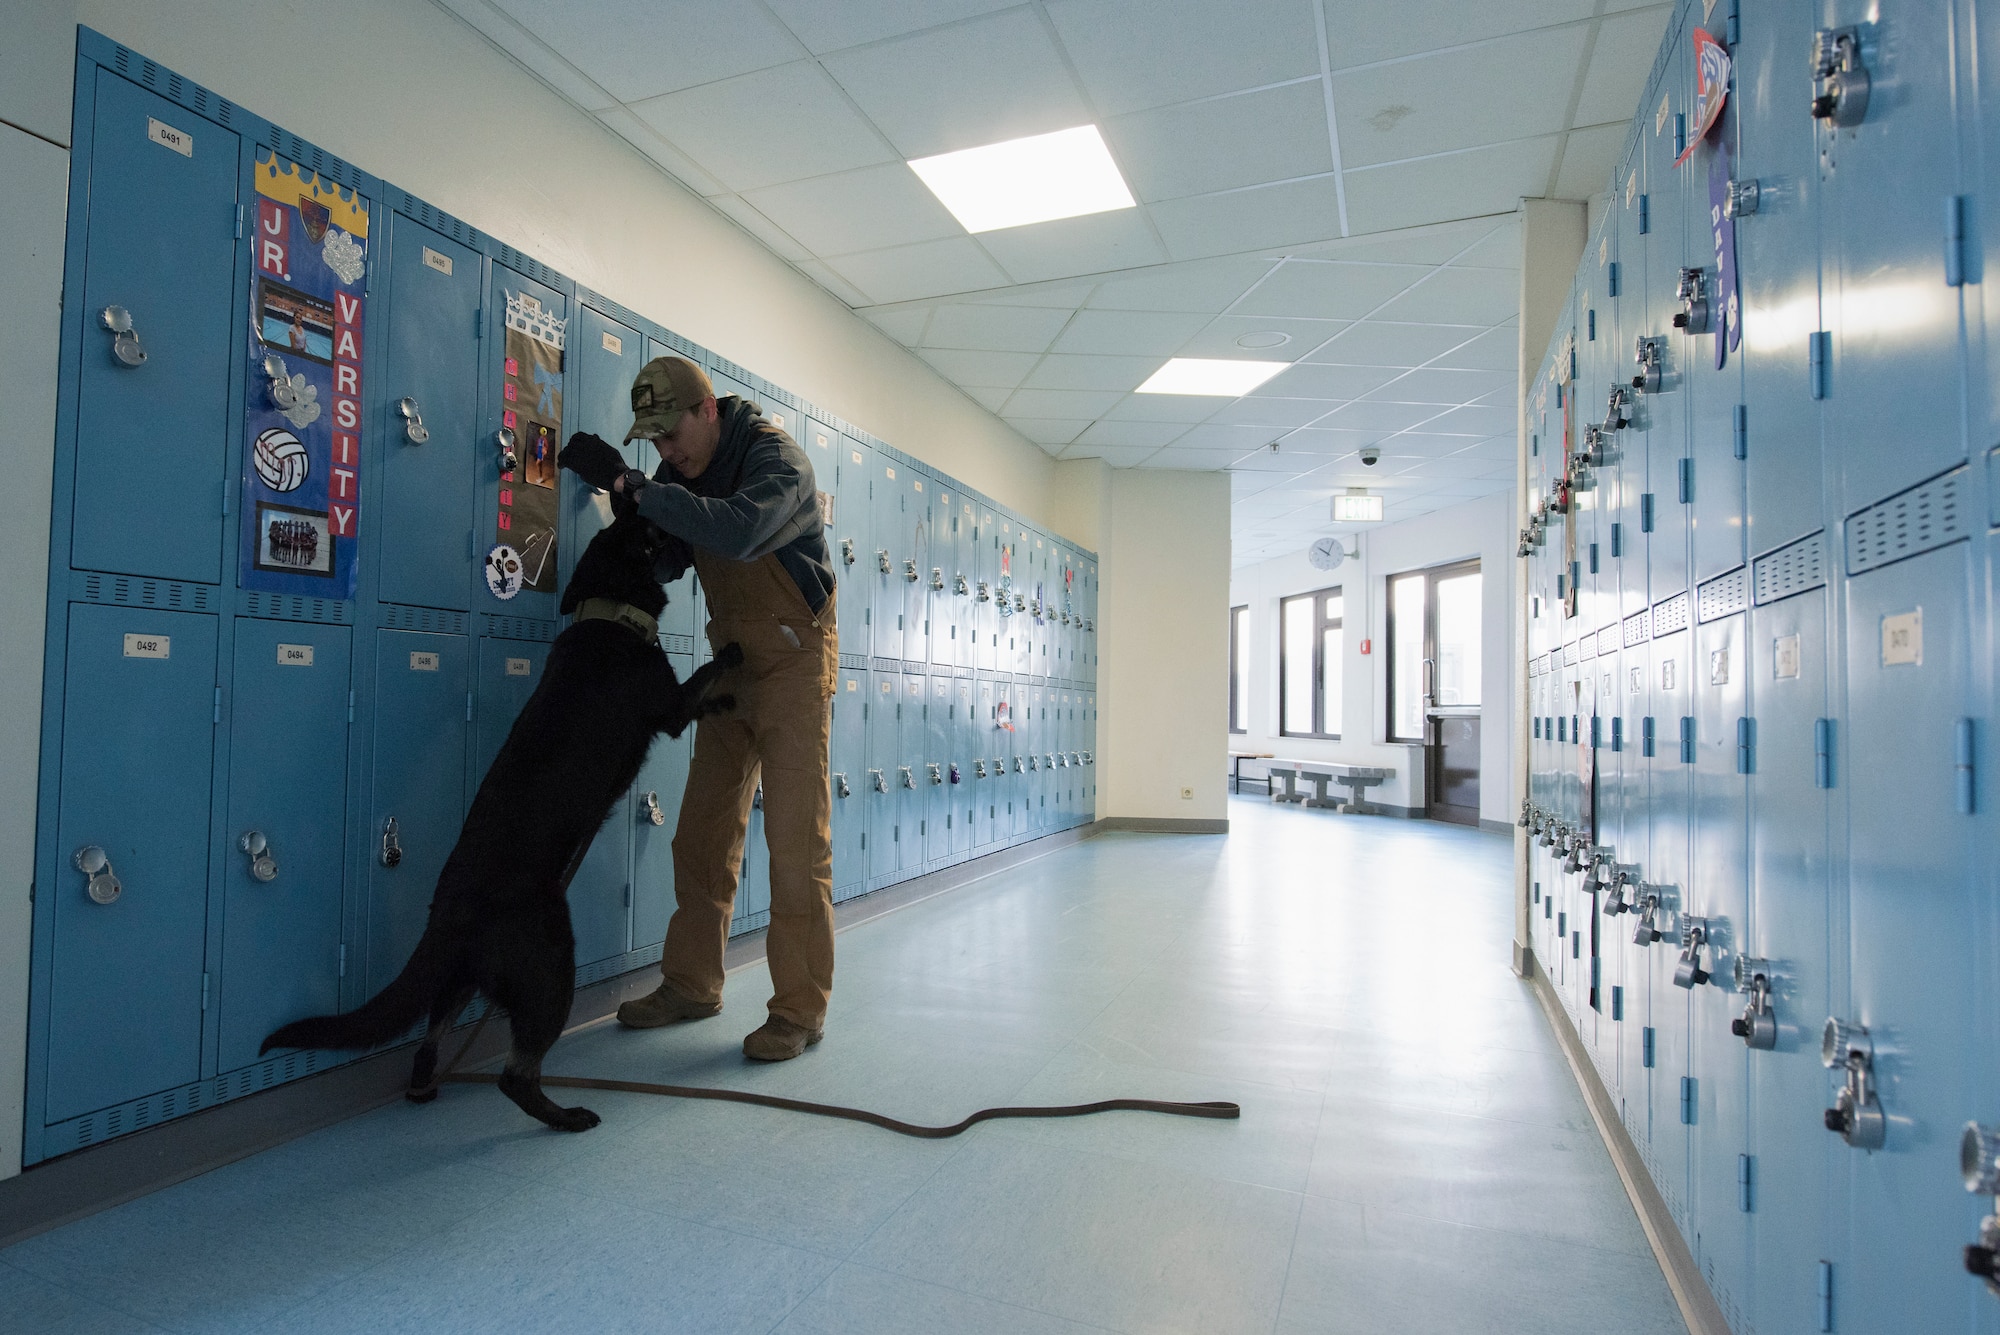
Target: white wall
{"type": "Point", "coordinates": [1481, 529]}
{"type": "Point", "coordinates": [1164, 678]}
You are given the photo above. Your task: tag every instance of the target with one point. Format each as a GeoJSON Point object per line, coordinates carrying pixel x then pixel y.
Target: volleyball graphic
{"type": "Point", "coordinates": [280, 459]}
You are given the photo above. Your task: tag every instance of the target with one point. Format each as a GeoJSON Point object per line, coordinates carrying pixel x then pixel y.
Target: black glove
{"type": "Point", "coordinates": [593, 459]}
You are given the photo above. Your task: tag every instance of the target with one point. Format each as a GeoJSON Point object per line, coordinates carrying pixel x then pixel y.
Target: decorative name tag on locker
{"type": "Point", "coordinates": [517, 667]}
{"type": "Point", "coordinates": [1785, 653]}
{"type": "Point", "coordinates": [148, 646]}
{"type": "Point", "coordinates": [166, 136]}
{"type": "Point", "coordinates": [819, 439]}
{"type": "Point", "coordinates": [1903, 639]}
{"type": "Point", "coordinates": [295, 655]}
{"type": "Point", "coordinates": [433, 260]}
{"type": "Point", "coordinates": [423, 662]}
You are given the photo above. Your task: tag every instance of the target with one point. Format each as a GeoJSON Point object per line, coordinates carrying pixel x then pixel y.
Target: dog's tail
{"type": "Point", "coordinates": [385, 1015]}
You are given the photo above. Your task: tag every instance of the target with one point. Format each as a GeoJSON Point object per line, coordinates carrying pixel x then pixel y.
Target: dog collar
{"type": "Point", "coordinates": [626, 615]}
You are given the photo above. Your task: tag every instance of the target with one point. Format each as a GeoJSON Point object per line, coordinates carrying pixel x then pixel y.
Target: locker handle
{"type": "Point", "coordinates": [847, 551]}
{"type": "Point", "coordinates": [840, 788]}
{"type": "Point", "coordinates": [125, 345]}
{"type": "Point", "coordinates": [507, 440]}
{"type": "Point", "coordinates": [103, 886]}
{"type": "Point", "coordinates": [910, 569]}
{"type": "Point", "coordinates": [881, 783]}
{"type": "Point", "coordinates": [263, 865]}
{"type": "Point", "coordinates": [392, 851]}
{"type": "Point", "coordinates": [959, 585]}
{"type": "Point", "coordinates": [909, 779]}
{"type": "Point", "coordinates": [649, 809]}
{"type": "Point", "coordinates": [882, 560]}
{"type": "Point", "coordinates": [413, 421]}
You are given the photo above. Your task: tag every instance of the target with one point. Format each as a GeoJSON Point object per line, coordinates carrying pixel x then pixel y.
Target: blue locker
{"type": "Point", "coordinates": [823, 449]}
{"type": "Point", "coordinates": [935, 776]}
{"type": "Point", "coordinates": [1662, 414]}
{"type": "Point", "coordinates": [518, 497]}
{"type": "Point", "coordinates": [884, 794]}
{"type": "Point", "coordinates": [1668, 869]}
{"type": "Point", "coordinates": [941, 575]}
{"type": "Point", "coordinates": [686, 612]}
{"type": "Point", "coordinates": [655, 812]}
{"type": "Point", "coordinates": [428, 418]}
{"type": "Point", "coordinates": [887, 484]}
{"type": "Point", "coordinates": [853, 550]}
{"type": "Point", "coordinates": [288, 725]}
{"type": "Point", "coordinates": [985, 617]}
{"type": "Point", "coordinates": [509, 671]}
{"type": "Point", "coordinates": [126, 980]}
{"type": "Point", "coordinates": [914, 543]}
{"type": "Point", "coordinates": [1913, 888]}
{"type": "Point", "coordinates": [911, 743]}
{"type": "Point", "coordinates": [963, 796]}
{"type": "Point", "coordinates": [152, 437]}
{"type": "Point", "coordinates": [849, 777]}
{"type": "Point", "coordinates": [606, 356]}
{"type": "Point", "coordinates": [988, 768]}
{"type": "Point", "coordinates": [417, 800]}
{"type": "Point", "coordinates": [753, 885]}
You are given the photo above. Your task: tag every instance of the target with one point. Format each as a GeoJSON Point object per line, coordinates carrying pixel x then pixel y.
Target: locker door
{"type": "Point", "coordinates": [421, 702]}
{"type": "Point", "coordinates": [1668, 867]}
{"type": "Point", "coordinates": [1662, 415]}
{"type": "Point", "coordinates": [986, 583]}
{"type": "Point", "coordinates": [914, 569]}
{"type": "Point", "coordinates": [888, 482]}
{"type": "Point", "coordinates": [1896, 370]}
{"type": "Point", "coordinates": [125, 985]}
{"type": "Point", "coordinates": [1090, 763]}
{"type": "Point", "coordinates": [936, 774]}
{"type": "Point", "coordinates": [822, 447]}
{"type": "Point", "coordinates": [685, 614]}
{"type": "Point", "coordinates": [608, 356]}
{"type": "Point", "coordinates": [526, 499]}
{"type": "Point", "coordinates": [985, 774]}
{"type": "Point", "coordinates": [850, 784]}
{"type": "Point", "coordinates": [962, 794]}
{"type": "Point", "coordinates": [1718, 892]}
{"type": "Point", "coordinates": [960, 579]}
{"type": "Point", "coordinates": [853, 551]}
{"type": "Point", "coordinates": [911, 742]}
{"type": "Point", "coordinates": [509, 671]}
{"type": "Point", "coordinates": [753, 886]}
{"type": "Point", "coordinates": [1913, 890]}
{"type": "Point", "coordinates": [1790, 922]}
{"type": "Point", "coordinates": [288, 781]}
{"type": "Point", "coordinates": [939, 577]}
{"type": "Point", "coordinates": [664, 776]}
{"type": "Point", "coordinates": [433, 360]}
{"type": "Point", "coordinates": [155, 491]}
{"type": "Point", "coordinates": [883, 793]}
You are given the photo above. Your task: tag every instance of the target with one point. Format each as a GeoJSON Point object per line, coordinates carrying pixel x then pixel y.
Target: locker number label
{"type": "Point", "coordinates": [148, 646]}
{"type": "Point", "coordinates": [1786, 657]}
{"type": "Point", "coordinates": [423, 662]}
{"type": "Point", "coordinates": [614, 344]}
{"type": "Point", "coordinates": [295, 655]}
{"type": "Point", "coordinates": [517, 667]}
{"type": "Point", "coordinates": [853, 685]}
{"type": "Point", "coordinates": [1903, 639]}
{"type": "Point", "coordinates": [166, 136]}
{"type": "Point", "coordinates": [433, 260]}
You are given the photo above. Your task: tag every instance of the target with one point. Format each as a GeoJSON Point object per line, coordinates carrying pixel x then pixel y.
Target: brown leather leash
{"type": "Point", "coordinates": [1216, 1110]}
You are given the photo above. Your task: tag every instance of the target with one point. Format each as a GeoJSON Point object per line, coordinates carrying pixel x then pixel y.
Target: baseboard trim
{"type": "Point", "coordinates": [1161, 825]}
{"type": "Point", "coordinates": [1691, 1293]}
{"type": "Point", "coordinates": [73, 1186]}
{"type": "Point", "coordinates": [1505, 827]}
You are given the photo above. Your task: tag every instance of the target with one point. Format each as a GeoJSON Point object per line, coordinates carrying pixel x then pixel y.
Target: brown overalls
{"type": "Point", "coordinates": [780, 725]}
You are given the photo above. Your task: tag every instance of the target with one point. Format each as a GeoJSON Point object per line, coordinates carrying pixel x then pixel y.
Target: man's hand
{"type": "Point", "coordinates": [593, 459]}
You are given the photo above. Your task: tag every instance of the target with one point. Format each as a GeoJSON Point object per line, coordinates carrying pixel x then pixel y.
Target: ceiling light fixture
{"type": "Point", "coordinates": [1357, 507]}
{"type": "Point", "coordinates": [1045, 176]}
{"type": "Point", "coordinates": [1221, 378]}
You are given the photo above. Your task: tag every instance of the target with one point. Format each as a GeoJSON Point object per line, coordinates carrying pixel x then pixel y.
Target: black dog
{"type": "Point", "coordinates": [499, 920]}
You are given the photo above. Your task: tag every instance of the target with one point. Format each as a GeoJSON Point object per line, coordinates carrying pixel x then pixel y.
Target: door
{"type": "Point", "coordinates": [849, 777]}
{"type": "Point", "coordinates": [1434, 666]}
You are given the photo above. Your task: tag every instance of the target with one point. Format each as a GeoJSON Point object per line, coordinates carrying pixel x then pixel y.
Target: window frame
{"type": "Point", "coordinates": [1430, 576]}
{"type": "Point", "coordinates": [1239, 688]}
{"type": "Point", "coordinates": [1322, 623]}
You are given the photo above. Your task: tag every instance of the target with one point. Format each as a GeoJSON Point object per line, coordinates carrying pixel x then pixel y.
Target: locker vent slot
{"type": "Point", "coordinates": [587, 974]}
{"type": "Point", "coordinates": [1670, 615]}
{"type": "Point", "coordinates": [1725, 595]}
{"type": "Point", "coordinates": [306, 154]}
{"type": "Point", "coordinates": [859, 662]}
{"type": "Point", "coordinates": [1569, 654]}
{"type": "Point", "coordinates": [624, 315]}
{"type": "Point", "coordinates": [138, 1114]}
{"type": "Point", "coordinates": [532, 267]}
{"type": "Point", "coordinates": [438, 220]}
{"type": "Point", "coordinates": [395, 617]}
{"type": "Point", "coordinates": [1919, 520]}
{"type": "Point", "coordinates": [188, 94]}
{"type": "Point", "coordinates": [280, 607]}
{"type": "Point", "coordinates": [678, 644]}
{"type": "Point", "coordinates": [520, 628]}
{"type": "Point", "coordinates": [967, 672]}
{"type": "Point", "coordinates": [1638, 628]}
{"type": "Point", "coordinates": [1794, 568]}
{"type": "Point", "coordinates": [134, 592]}
{"type": "Point", "coordinates": [886, 664]}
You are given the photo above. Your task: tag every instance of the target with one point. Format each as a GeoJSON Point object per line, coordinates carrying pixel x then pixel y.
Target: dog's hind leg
{"type": "Point", "coordinates": [537, 997]}
{"type": "Point", "coordinates": [423, 1069]}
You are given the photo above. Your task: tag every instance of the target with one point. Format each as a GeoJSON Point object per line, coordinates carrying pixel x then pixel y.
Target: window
{"type": "Point", "coordinates": [1239, 669]}
{"type": "Point", "coordinates": [1309, 666]}
{"type": "Point", "coordinates": [1434, 645]}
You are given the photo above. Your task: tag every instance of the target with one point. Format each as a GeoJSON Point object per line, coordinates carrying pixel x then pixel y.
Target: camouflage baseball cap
{"type": "Point", "coordinates": [665, 388]}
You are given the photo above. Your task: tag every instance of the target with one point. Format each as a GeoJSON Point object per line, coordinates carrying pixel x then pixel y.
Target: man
{"type": "Point", "coordinates": [736, 497]}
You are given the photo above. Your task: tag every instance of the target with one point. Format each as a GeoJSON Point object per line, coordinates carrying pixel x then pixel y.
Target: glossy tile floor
{"type": "Point", "coordinates": [1413, 1154]}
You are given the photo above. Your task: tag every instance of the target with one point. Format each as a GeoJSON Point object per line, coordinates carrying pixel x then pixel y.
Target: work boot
{"type": "Point", "coordinates": [779, 1040]}
{"type": "Point", "coordinates": [661, 1006]}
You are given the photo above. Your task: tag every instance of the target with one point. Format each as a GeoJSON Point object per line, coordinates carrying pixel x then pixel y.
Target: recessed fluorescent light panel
{"type": "Point", "coordinates": [1220, 377]}
{"type": "Point", "coordinates": [1045, 176]}
{"type": "Point", "coordinates": [1357, 508]}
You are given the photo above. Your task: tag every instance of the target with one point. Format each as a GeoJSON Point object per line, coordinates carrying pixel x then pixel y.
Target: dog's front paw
{"type": "Point", "coordinates": [730, 655]}
{"type": "Point", "coordinates": [575, 1119]}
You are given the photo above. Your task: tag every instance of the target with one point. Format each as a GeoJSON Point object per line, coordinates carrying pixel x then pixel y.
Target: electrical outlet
{"type": "Point", "coordinates": [1187, 794]}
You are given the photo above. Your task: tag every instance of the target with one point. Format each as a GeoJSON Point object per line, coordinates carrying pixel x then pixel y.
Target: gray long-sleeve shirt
{"type": "Point", "coordinates": [757, 495]}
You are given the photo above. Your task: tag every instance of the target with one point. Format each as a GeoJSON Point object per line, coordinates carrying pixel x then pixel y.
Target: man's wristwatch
{"type": "Point", "coordinates": [634, 478]}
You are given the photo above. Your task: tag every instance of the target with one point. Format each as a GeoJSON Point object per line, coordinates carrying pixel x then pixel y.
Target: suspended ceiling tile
{"type": "Point", "coordinates": [1272, 134]}
{"type": "Point", "coordinates": [753, 220]}
{"type": "Point", "coordinates": [1241, 484]}
{"type": "Point", "coordinates": [990, 399]}
{"type": "Point", "coordinates": [1497, 349]}
{"type": "Point", "coordinates": [638, 49]}
{"type": "Point", "coordinates": [648, 141]}
{"type": "Point", "coordinates": [1619, 64]}
{"type": "Point", "coordinates": [1458, 185]}
{"type": "Point", "coordinates": [1203, 287]}
{"type": "Point", "coordinates": [1588, 159]}
{"type": "Point", "coordinates": [1118, 456]}
{"type": "Point", "coordinates": [1187, 409]}
{"type": "Point", "coordinates": [1220, 337]}
{"type": "Point", "coordinates": [927, 269]}
{"type": "Point", "coordinates": [1152, 435]}
{"type": "Point", "coordinates": [1195, 461]}
{"type": "Point", "coordinates": [1173, 50]}
{"type": "Point", "coordinates": [511, 36]}
{"type": "Point", "coordinates": [869, 208]}
{"type": "Point", "coordinates": [1257, 460]}
{"type": "Point", "coordinates": [1239, 220]}
{"type": "Point", "coordinates": [1513, 88]}
{"type": "Point", "coordinates": [1004, 370]}
{"type": "Point", "coordinates": [1049, 430]}
{"type": "Point", "coordinates": [1063, 247]}
{"type": "Point", "coordinates": [1380, 416]}
{"type": "Point", "coordinates": [1498, 249]}
{"type": "Point", "coordinates": [1383, 343]}
{"type": "Point", "coordinates": [850, 295]}
{"type": "Point", "coordinates": [1322, 290]}
{"type": "Point", "coordinates": [905, 324]}
{"type": "Point", "coordinates": [1277, 413]}
{"type": "Point", "coordinates": [1066, 295]}
{"type": "Point", "coordinates": [758, 129]}
{"type": "Point", "coordinates": [994, 328]}
{"type": "Point", "coordinates": [963, 85]}
{"type": "Point", "coordinates": [1061, 403]}
{"type": "Point", "coordinates": [827, 27]}
{"type": "Point", "coordinates": [1477, 421]}
{"type": "Point", "coordinates": [1326, 440]}
{"type": "Point", "coordinates": [1078, 371]}
{"type": "Point", "coordinates": [1211, 436]}
{"type": "Point", "coordinates": [1434, 243]}
{"type": "Point", "coordinates": [1458, 296]}
{"type": "Point", "coordinates": [1361, 33]}
{"type": "Point", "coordinates": [1424, 444]}
{"type": "Point", "coordinates": [1137, 333]}
{"type": "Point", "coordinates": [1440, 386]}
{"type": "Point", "coordinates": [1310, 381]}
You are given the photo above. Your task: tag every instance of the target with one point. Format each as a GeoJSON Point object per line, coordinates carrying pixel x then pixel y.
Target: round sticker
{"type": "Point", "coordinates": [280, 459]}
{"type": "Point", "coordinates": [503, 572]}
